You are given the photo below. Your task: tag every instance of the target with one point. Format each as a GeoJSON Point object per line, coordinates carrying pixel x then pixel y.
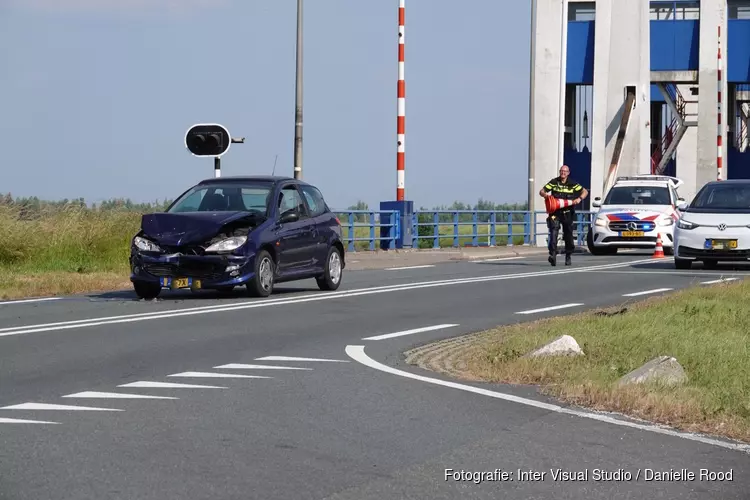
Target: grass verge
{"type": "Point", "coordinates": [706, 329]}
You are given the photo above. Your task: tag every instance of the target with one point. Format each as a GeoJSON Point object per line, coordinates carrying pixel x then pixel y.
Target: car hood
{"type": "Point", "coordinates": [187, 228]}
{"type": "Point", "coordinates": [642, 212]}
{"type": "Point", "coordinates": [714, 219]}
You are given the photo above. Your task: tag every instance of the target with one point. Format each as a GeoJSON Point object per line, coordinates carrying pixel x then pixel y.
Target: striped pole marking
{"type": "Point", "coordinates": [718, 109]}
{"type": "Point", "coordinates": [401, 118]}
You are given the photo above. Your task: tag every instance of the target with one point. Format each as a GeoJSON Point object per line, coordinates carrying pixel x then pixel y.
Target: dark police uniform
{"type": "Point", "coordinates": [568, 190]}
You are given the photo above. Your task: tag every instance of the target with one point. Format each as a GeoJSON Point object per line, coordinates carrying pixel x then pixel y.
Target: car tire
{"type": "Point", "coordinates": [265, 269]}
{"type": "Point", "coordinates": [334, 270]}
{"type": "Point", "coordinates": [146, 291]}
{"type": "Point", "coordinates": [683, 263]}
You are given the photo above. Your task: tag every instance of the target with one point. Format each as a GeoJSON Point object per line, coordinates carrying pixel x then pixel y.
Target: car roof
{"type": "Point", "coordinates": [654, 180]}
{"type": "Point", "coordinates": [240, 179]}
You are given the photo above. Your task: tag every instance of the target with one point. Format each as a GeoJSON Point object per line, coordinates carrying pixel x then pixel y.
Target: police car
{"type": "Point", "coordinates": [633, 212]}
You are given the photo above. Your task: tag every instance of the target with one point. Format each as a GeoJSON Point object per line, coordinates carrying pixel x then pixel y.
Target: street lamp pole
{"type": "Point", "coordinates": [298, 99]}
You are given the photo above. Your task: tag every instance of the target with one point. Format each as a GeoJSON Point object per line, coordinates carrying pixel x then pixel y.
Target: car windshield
{"type": "Point", "coordinates": [723, 197]}
{"type": "Point", "coordinates": [229, 197]}
{"type": "Point", "coordinates": [638, 195]}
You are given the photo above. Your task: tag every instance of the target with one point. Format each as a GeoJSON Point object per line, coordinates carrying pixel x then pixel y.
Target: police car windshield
{"type": "Point", "coordinates": [723, 197]}
{"type": "Point", "coordinates": [638, 195]}
{"type": "Point", "coordinates": [229, 197]}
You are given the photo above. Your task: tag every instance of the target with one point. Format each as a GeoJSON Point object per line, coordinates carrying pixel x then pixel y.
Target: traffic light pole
{"type": "Point", "coordinates": [217, 167]}
{"type": "Point", "coordinates": [298, 99]}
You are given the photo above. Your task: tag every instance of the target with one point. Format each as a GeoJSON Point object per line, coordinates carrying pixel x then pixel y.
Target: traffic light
{"type": "Point", "coordinates": [208, 139]}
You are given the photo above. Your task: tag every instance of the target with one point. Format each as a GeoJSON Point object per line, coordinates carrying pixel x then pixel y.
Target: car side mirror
{"type": "Point", "coordinates": [682, 205]}
{"type": "Point", "coordinates": [597, 202]}
{"type": "Point", "coordinates": [289, 217]}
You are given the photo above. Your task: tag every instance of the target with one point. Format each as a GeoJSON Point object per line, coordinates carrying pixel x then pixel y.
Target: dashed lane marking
{"type": "Point", "coordinates": [241, 366]}
{"type": "Point", "coordinates": [723, 280]}
{"type": "Point", "coordinates": [410, 332]}
{"type": "Point", "coordinates": [293, 358]}
{"type": "Point", "coordinates": [404, 268]}
{"type": "Point", "coordinates": [45, 406]}
{"type": "Point", "coordinates": [647, 292]}
{"type": "Point", "coordinates": [114, 395]}
{"type": "Point", "coordinates": [24, 421]}
{"type": "Point", "coordinates": [27, 301]}
{"type": "Point", "coordinates": [214, 375]}
{"type": "Point", "coordinates": [357, 353]}
{"type": "Point", "coordinates": [550, 308]}
{"type": "Point", "coordinates": [168, 385]}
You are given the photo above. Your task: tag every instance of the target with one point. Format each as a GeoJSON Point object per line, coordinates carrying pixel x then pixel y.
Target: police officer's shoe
{"type": "Point", "coordinates": [552, 259]}
{"type": "Point", "coordinates": [567, 260]}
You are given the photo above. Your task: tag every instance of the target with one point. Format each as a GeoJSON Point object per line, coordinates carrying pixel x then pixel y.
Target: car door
{"type": "Point", "coordinates": [294, 239]}
{"type": "Point", "coordinates": [323, 222]}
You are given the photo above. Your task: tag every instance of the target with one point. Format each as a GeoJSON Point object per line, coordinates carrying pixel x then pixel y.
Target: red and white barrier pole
{"type": "Point", "coordinates": [719, 135]}
{"type": "Point", "coordinates": [401, 120]}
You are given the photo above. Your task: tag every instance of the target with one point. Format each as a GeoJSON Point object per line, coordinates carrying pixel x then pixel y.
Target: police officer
{"type": "Point", "coordinates": [565, 188]}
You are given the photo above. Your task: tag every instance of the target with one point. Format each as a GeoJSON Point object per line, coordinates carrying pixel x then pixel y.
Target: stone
{"type": "Point", "coordinates": [561, 346]}
{"type": "Point", "coordinates": [662, 369]}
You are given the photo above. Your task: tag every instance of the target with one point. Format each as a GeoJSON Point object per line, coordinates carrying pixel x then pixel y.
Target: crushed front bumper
{"type": "Point", "coordinates": [191, 271]}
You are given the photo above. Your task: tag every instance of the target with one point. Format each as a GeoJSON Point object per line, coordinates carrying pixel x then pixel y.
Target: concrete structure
{"type": "Point", "coordinates": [588, 56]}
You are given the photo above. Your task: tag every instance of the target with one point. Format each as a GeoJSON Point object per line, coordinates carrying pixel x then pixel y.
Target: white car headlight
{"type": "Point", "coordinates": [683, 224]}
{"type": "Point", "coordinates": [145, 245]}
{"type": "Point", "coordinates": [228, 244]}
{"type": "Point", "coordinates": [601, 221]}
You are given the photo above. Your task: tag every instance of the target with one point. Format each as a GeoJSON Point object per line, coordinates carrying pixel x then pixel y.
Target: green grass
{"type": "Point", "coordinates": [706, 329]}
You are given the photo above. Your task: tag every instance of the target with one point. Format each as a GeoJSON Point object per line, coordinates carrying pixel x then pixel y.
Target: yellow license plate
{"type": "Point", "coordinates": [630, 234]}
{"type": "Point", "coordinates": [180, 283]}
{"type": "Point", "coordinates": [722, 244]}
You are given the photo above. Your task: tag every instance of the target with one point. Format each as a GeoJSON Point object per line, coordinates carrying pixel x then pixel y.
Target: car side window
{"type": "Point", "coordinates": [314, 200]}
{"type": "Point", "coordinates": [290, 201]}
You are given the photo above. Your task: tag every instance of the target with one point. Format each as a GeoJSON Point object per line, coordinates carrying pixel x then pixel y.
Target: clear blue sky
{"type": "Point", "coordinates": [97, 96]}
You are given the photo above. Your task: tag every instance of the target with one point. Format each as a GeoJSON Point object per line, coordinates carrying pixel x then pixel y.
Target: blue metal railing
{"type": "Point", "coordinates": [366, 229]}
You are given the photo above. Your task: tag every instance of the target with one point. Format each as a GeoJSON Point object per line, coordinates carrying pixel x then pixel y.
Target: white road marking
{"type": "Point", "coordinates": [114, 395]}
{"type": "Point", "coordinates": [316, 297]}
{"type": "Point", "coordinates": [44, 406]}
{"type": "Point", "coordinates": [500, 259]}
{"type": "Point", "coordinates": [214, 375]}
{"type": "Point", "coordinates": [409, 267]}
{"type": "Point", "coordinates": [26, 301]}
{"type": "Point", "coordinates": [357, 352]}
{"type": "Point", "coordinates": [240, 366]}
{"type": "Point", "coordinates": [24, 421]}
{"type": "Point", "coordinates": [695, 274]}
{"type": "Point", "coordinates": [168, 385]}
{"type": "Point", "coordinates": [550, 308]}
{"type": "Point", "coordinates": [722, 280]}
{"type": "Point", "coordinates": [647, 292]}
{"type": "Point", "coordinates": [409, 332]}
{"type": "Point", "coordinates": [293, 358]}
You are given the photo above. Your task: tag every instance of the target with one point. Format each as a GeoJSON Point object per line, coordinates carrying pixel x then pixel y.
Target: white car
{"type": "Point", "coordinates": [634, 211]}
{"type": "Point", "coordinates": [715, 226]}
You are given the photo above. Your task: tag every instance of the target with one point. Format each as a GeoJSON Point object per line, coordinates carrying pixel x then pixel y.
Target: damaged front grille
{"type": "Point", "coordinates": [185, 249]}
{"type": "Point", "coordinates": [203, 270]}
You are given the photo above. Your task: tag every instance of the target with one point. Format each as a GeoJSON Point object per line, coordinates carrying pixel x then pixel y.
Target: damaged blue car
{"type": "Point", "coordinates": [239, 231]}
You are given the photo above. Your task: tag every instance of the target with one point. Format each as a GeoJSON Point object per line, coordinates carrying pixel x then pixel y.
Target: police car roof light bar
{"type": "Point", "coordinates": [653, 177]}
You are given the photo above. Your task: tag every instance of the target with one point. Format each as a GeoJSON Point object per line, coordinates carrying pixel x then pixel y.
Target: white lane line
{"type": "Point", "coordinates": [175, 313]}
{"type": "Point", "coordinates": [168, 385]}
{"type": "Point", "coordinates": [114, 395]}
{"type": "Point", "coordinates": [409, 332]}
{"type": "Point", "coordinates": [409, 267]}
{"type": "Point", "coordinates": [647, 292]}
{"type": "Point", "coordinates": [499, 259]}
{"type": "Point", "coordinates": [722, 280]}
{"type": "Point", "coordinates": [550, 308]}
{"type": "Point", "coordinates": [24, 421]}
{"type": "Point", "coordinates": [357, 353]}
{"type": "Point", "coordinates": [294, 358]}
{"type": "Point", "coordinates": [214, 375]}
{"type": "Point", "coordinates": [241, 366]}
{"type": "Point", "coordinates": [44, 406]}
{"type": "Point", "coordinates": [26, 301]}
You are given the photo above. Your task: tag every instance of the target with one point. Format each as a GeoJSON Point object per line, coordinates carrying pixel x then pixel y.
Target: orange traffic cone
{"type": "Point", "coordinates": [659, 251]}
{"type": "Point", "coordinates": [553, 204]}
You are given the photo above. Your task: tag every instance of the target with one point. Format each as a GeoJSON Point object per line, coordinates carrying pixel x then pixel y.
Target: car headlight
{"type": "Point", "coordinates": [601, 221]}
{"type": "Point", "coordinates": [145, 245]}
{"type": "Point", "coordinates": [683, 224]}
{"type": "Point", "coordinates": [666, 221]}
{"type": "Point", "coordinates": [228, 244]}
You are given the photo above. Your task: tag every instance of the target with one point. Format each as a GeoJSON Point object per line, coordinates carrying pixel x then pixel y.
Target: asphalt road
{"type": "Point", "coordinates": [339, 424]}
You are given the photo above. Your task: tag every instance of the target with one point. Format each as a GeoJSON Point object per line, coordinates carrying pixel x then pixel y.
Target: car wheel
{"type": "Point", "coordinates": [331, 278]}
{"type": "Point", "coordinates": [262, 283]}
{"type": "Point", "coordinates": [146, 291]}
{"type": "Point", "coordinates": [682, 263]}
